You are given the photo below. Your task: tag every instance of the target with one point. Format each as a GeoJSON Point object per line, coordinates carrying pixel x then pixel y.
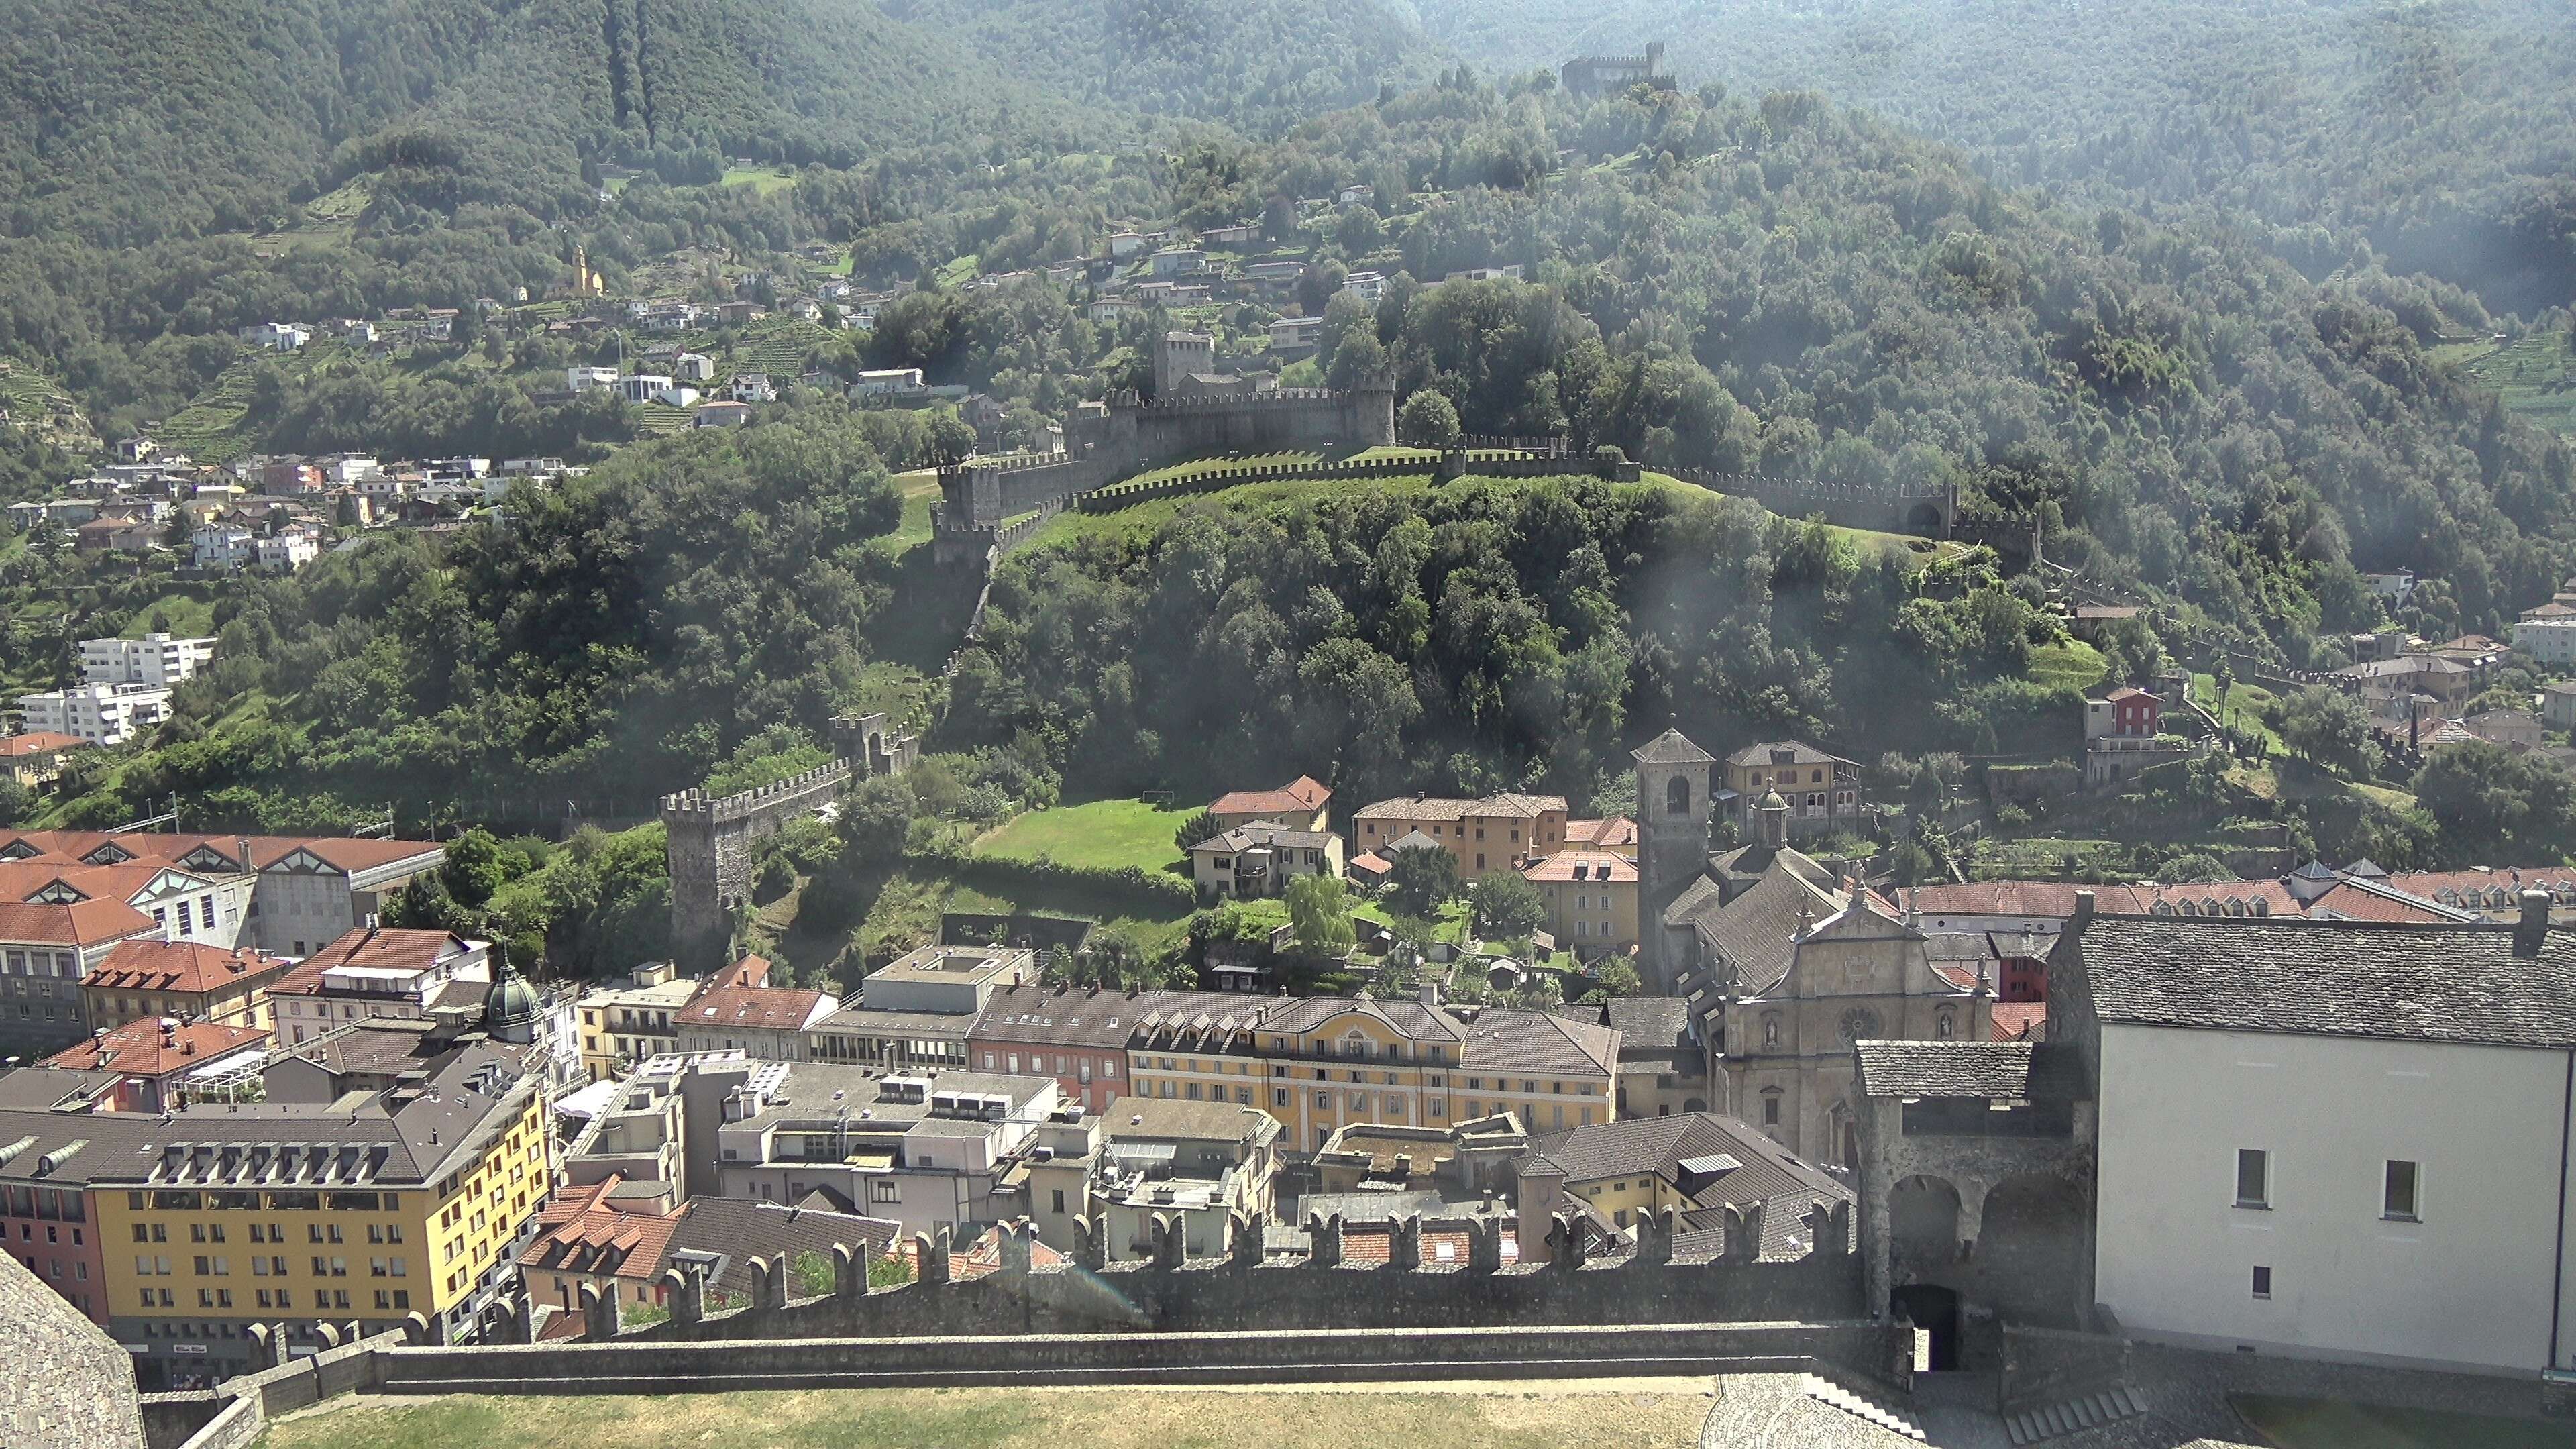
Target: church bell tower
{"type": "Point", "coordinates": [1673, 780]}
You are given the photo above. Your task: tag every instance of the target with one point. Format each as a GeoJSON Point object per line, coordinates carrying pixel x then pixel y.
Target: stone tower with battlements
{"type": "Point", "coordinates": [1673, 783]}
{"type": "Point", "coordinates": [709, 840]}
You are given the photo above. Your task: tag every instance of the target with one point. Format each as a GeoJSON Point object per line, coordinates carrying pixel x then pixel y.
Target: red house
{"type": "Point", "coordinates": [2126, 712]}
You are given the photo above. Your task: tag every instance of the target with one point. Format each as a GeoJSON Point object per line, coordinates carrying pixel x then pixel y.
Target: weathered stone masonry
{"type": "Point", "coordinates": [709, 841]}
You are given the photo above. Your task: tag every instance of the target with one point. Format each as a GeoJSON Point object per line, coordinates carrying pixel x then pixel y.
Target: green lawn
{"type": "Point", "coordinates": [763, 179]}
{"type": "Point", "coordinates": [1102, 835]}
{"type": "Point", "coordinates": [188, 615]}
{"type": "Point", "coordinates": [2330, 1424]}
{"type": "Point", "coordinates": [2073, 664]}
{"type": "Point", "coordinates": [920, 490]}
{"type": "Point", "coordinates": [1656, 1414]}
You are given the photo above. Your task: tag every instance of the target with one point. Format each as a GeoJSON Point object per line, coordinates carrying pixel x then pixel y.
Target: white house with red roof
{"type": "Point", "coordinates": [378, 971]}
{"type": "Point", "coordinates": [1301, 804]}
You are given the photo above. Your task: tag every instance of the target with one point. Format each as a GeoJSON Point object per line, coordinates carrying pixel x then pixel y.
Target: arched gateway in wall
{"type": "Point", "coordinates": [1976, 1165]}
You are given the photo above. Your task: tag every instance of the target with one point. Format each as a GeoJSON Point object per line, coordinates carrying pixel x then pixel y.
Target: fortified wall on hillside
{"type": "Point", "coordinates": [709, 839]}
{"type": "Point", "coordinates": [980, 501]}
{"type": "Point", "coordinates": [1925, 510]}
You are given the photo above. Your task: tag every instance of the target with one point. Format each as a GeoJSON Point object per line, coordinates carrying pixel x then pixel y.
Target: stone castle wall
{"type": "Point", "coordinates": [1896, 508]}
{"type": "Point", "coordinates": [709, 839]}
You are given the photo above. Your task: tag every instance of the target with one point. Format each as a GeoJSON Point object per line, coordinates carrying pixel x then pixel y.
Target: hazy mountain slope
{"type": "Point", "coordinates": [2443, 132]}
{"type": "Point", "coordinates": [1258, 64]}
{"type": "Point", "coordinates": [172, 117]}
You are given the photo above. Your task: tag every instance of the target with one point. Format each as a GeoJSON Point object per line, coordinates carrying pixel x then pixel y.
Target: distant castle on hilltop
{"type": "Point", "coordinates": [1194, 410]}
{"type": "Point", "coordinates": [1599, 75]}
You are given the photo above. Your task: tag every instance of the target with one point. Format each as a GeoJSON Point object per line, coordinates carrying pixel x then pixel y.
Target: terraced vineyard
{"type": "Point", "coordinates": [778, 347]}
{"type": "Point", "coordinates": [2536, 376]}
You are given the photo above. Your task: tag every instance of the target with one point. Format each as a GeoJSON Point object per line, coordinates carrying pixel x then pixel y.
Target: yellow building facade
{"type": "Point", "coordinates": [298, 1215]}
{"type": "Point", "coordinates": [1320, 1064]}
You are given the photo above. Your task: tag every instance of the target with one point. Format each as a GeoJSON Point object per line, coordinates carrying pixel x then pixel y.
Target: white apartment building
{"type": "Point", "coordinates": [1367, 286]}
{"type": "Point", "coordinates": [289, 551]}
{"type": "Point", "coordinates": [155, 659]}
{"type": "Point", "coordinates": [2551, 641]}
{"type": "Point", "coordinates": [103, 714]}
{"type": "Point", "coordinates": [2339, 1140]}
{"type": "Point", "coordinates": [584, 379]}
{"type": "Point", "coordinates": [221, 546]}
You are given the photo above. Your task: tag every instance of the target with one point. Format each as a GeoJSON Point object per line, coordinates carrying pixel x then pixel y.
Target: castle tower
{"type": "Point", "coordinates": [1672, 839]}
{"type": "Point", "coordinates": [1176, 356]}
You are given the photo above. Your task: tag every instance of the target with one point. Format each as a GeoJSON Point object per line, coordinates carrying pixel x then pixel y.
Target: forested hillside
{"type": "Point", "coordinates": [2438, 132]}
{"type": "Point", "coordinates": [1257, 65]}
{"type": "Point", "coordinates": [129, 123]}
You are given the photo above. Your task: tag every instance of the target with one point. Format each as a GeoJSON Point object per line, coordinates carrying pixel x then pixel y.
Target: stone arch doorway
{"type": "Point", "coordinates": [2032, 1251]}
{"type": "Point", "coordinates": [1923, 1228]}
{"type": "Point", "coordinates": [1924, 519]}
{"type": "Point", "coordinates": [1934, 1311]}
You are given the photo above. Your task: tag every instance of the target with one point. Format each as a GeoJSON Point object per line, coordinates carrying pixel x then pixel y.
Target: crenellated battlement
{"type": "Point", "coordinates": [1391, 1273]}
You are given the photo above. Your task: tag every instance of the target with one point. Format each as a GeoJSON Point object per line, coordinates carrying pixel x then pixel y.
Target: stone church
{"type": "Point", "coordinates": [1785, 963]}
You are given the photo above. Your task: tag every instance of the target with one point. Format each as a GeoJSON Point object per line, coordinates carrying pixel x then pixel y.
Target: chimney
{"type": "Point", "coordinates": [2532, 931]}
{"type": "Point", "coordinates": [2083, 912]}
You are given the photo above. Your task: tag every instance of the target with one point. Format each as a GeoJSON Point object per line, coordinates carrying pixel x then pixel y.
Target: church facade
{"type": "Point", "coordinates": [1785, 963]}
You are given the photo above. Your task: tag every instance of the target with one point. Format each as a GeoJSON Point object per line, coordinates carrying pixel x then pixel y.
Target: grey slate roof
{"type": "Point", "coordinates": [1672, 747]}
{"type": "Point", "coordinates": [1992, 1070]}
{"type": "Point", "coordinates": [2333, 978]}
{"type": "Point", "coordinates": [1758, 930]}
{"type": "Point", "coordinates": [1538, 1041]}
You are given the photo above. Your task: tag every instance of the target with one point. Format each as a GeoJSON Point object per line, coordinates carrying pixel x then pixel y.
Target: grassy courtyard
{"type": "Point", "coordinates": [2331, 1424]}
{"type": "Point", "coordinates": [1647, 1414]}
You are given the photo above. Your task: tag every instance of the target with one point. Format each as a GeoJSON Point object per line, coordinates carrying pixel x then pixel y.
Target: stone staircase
{"type": "Point", "coordinates": [1861, 1405]}
{"type": "Point", "coordinates": [2107, 1407]}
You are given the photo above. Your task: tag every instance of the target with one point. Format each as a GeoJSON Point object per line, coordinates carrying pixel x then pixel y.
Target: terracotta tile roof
{"type": "Point", "coordinates": [2350, 902]}
{"type": "Point", "coordinates": [72, 846]}
{"type": "Point", "coordinates": [2037, 899]}
{"type": "Point", "coordinates": [388, 948]}
{"type": "Point", "coordinates": [1445, 807]}
{"type": "Point", "coordinates": [1608, 834]}
{"type": "Point", "coordinates": [356, 856]}
{"type": "Point", "coordinates": [749, 971]}
{"type": "Point", "coordinates": [23, 879]}
{"type": "Point", "coordinates": [1299, 797]}
{"type": "Point", "coordinates": [139, 1049]}
{"type": "Point", "coordinates": [2222, 898]}
{"type": "Point", "coordinates": [2016, 1020]}
{"type": "Point", "coordinates": [37, 742]}
{"type": "Point", "coordinates": [1584, 865]}
{"type": "Point", "coordinates": [581, 1234]}
{"type": "Point", "coordinates": [771, 1008]}
{"type": "Point", "coordinates": [157, 965]}
{"type": "Point", "coordinates": [2484, 889]}
{"type": "Point", "coordinates": [80, 924]}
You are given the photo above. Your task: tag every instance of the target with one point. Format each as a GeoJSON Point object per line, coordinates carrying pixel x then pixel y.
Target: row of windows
{"type": "Point", "coordinates": [53, 1234]}
{"type": "Point", "coordinates": [2401, 1184]}
{"type": "Point", "coordinates": [54, 1270]}
{"type": "Point", "coordinates": [319, 1299]}
{"type": "Point", "coordinates": [155, 1265]}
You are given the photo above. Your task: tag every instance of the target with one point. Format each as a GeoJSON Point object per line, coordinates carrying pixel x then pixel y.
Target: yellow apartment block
{"type": "Point", "coordinates": [300, 1214]}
